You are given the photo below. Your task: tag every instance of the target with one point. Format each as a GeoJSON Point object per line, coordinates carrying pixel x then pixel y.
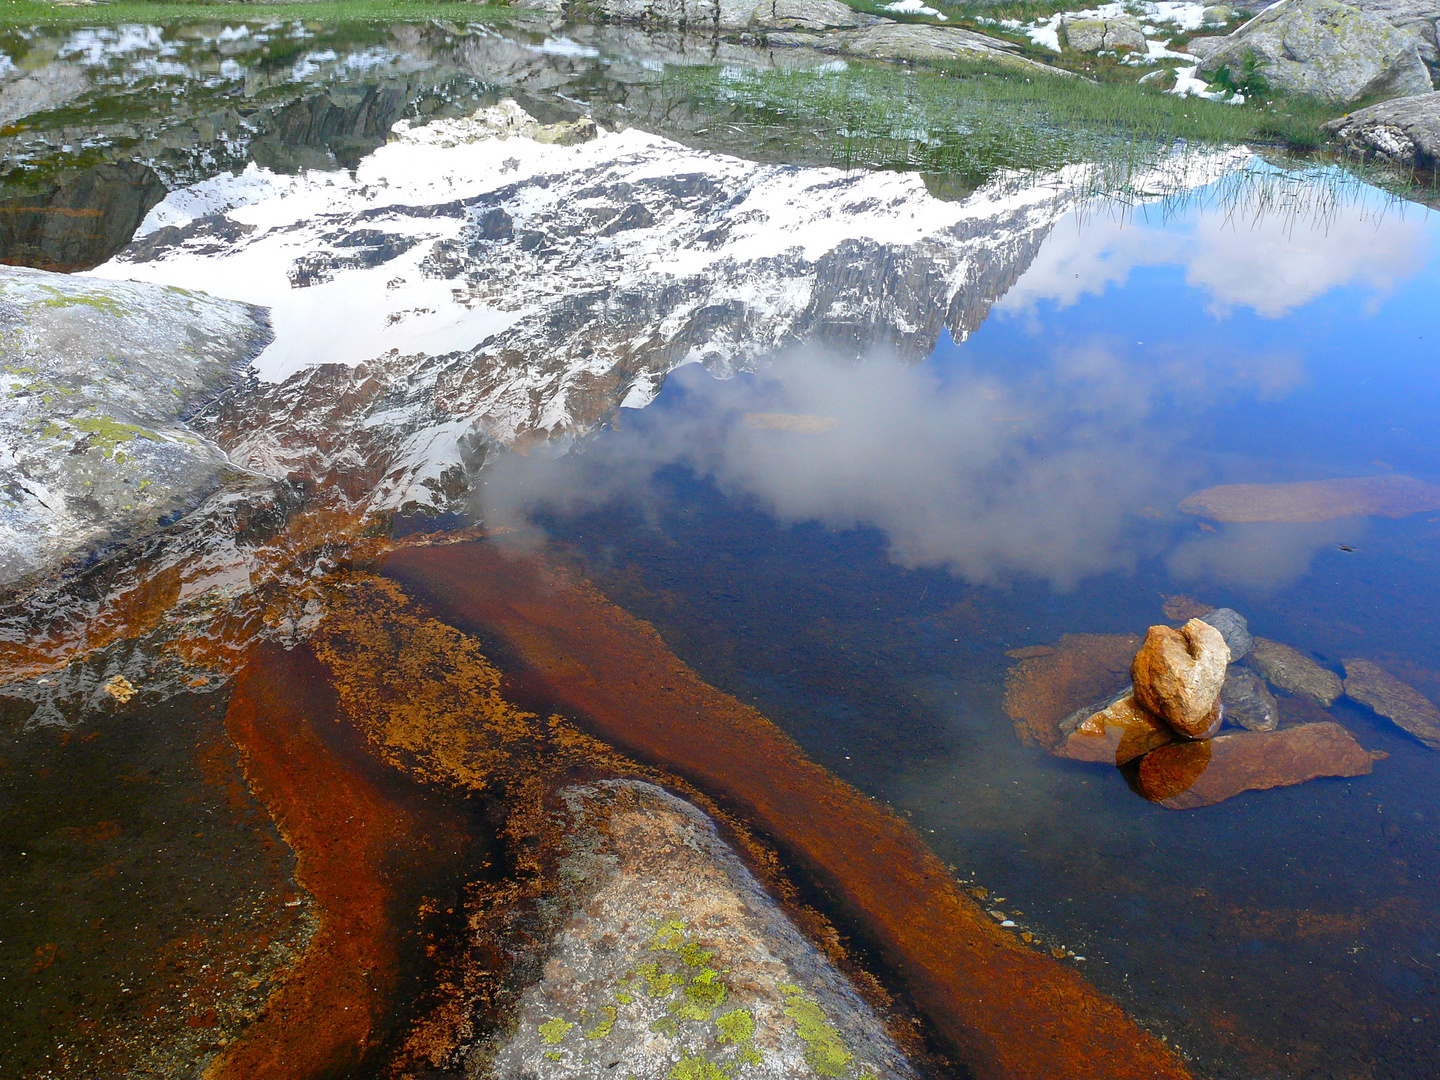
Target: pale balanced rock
{"type": "Point", "coordinates": [1233, 628]}
{"type": "Point", "coordinates": [1177, 675]}
{"type": "Point", "coordinates": [1373, 686]}
{"type": "Point", "coordinates": [1187, 775]}
{"type": "Point", "coordinates": [1115, 35]}
{"type": "Point", "coordinates": [1325, 49]}
{"type": "Point", "coordinates": [1246, 702]}
{"type": "Point", "coordinates": [1294, 672]}
{"type": "Point", "coordinates": [1114, 732]}
{"type": "Point", "coordinates": [668, 958]}
{"type": "Point", "coordinates": [1405, 131]}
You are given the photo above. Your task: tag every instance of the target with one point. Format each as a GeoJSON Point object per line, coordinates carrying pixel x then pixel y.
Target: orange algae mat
{"type": "Point", "coordinates": [1006, 1010]}
{"type": "Point", "coordinates": [350, 838]}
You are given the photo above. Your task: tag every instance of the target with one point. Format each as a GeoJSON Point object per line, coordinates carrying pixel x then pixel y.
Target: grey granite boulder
{"type": "Point", "coordinates": [714, 14]}
{"type": "Point", "coordinates": [1325, 49]}
{"type": "Point", "coordinates": [1419, 18]}
{"type": "Point", "coordinates": [669, 959]}
{"type": "Point", "coordinates": [96, 381]}
{"type": "Point", "coordinates": [1233, 628]}
{"type": "Point", "coordinates": [913, 42]}
{"type": "Point", "coordinates": [1114, 35]}
{"type": "Point", "coordinates": [1405, 131]}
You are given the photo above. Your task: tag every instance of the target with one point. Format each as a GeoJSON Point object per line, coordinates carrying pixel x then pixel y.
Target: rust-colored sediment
{"type": "Point", "coordinates": [324, 1016]}
{"type": "Point", "coordinates": [1009, 1012]}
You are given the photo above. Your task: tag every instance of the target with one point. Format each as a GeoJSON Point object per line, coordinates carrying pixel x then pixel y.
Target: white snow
{"type": "Point", "coordinates": [914, 7]}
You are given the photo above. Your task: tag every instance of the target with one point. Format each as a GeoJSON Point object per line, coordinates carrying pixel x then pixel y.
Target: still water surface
{"type": "Point", "coordinates": [855, 547]}
{"type": "Point", "coordinates": [861, 582]}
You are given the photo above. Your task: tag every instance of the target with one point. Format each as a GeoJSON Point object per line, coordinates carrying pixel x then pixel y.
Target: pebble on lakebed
{"type": "Point", "coordinates": [1156, 726]}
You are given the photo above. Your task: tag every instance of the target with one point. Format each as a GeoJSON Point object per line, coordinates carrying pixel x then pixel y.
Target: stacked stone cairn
{"type": "Point", "coordinates": [1200, 723]}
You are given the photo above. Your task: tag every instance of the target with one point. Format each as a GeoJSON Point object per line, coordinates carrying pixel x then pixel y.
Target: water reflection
{"type": "Point", "coordinates": [1058, 441]}
{"type": "Point", "coordinates": [1271, 258]}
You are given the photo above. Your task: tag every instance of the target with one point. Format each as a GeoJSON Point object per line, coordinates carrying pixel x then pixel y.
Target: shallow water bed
{"type": "Point", "coordinates": [855, 549]}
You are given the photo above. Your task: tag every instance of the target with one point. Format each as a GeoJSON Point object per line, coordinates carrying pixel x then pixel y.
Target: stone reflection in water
{"type": "Point", "coordinates": [82, 222]}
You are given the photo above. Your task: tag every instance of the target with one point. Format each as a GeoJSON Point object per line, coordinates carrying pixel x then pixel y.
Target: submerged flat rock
{"type": "Point", "coordinates": [1119, 732]}
{"type": "Point", "coordinates": [1315, 500]}
{"type": "Point", "coordinates": [98, 380]}
{"type": "Point", "coordinates": [1373, 686]}
{"type": "Point", "coordinates": [1045, 688]}
{"type": "Point", "coordinates": [674, 961]}
{"type": "Point", "coordinates": [1294, 672]}
{"type": "Point", "coordinates": [1184, 776]}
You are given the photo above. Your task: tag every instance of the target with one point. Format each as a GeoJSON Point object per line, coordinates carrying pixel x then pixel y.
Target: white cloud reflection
{"type": "Point", "coordinates": [1058, 475]}
{"type": "Point", "coordinates": [1271, 263]}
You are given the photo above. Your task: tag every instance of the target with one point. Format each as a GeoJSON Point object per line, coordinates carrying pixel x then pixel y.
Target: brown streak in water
{"type": "Point", "coordinates": [1009, 1012]}
{"type": "Point", "coordinates": [322, 1018]}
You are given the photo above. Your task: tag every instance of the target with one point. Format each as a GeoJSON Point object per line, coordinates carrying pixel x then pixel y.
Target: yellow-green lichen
{"type": "Point", "coordinates": [736, 1026]}
{"type": "Point", "coordinates": [98, 301]}
{"type": "Point", "coordinates": [824, 1050]}
{"type": "Point", "coordinates": [552, 1055]}
{"type": "Point", "coordinates": [694, 1067]}
{"type": "Point", "coordinates": [605, 1026]}
{"type": "Point", "coordinates": [665, 1025]}
{"type": "Point", "coordinates": [553, 1031]}
{"type": "Point", "coordinates": [106, 433]}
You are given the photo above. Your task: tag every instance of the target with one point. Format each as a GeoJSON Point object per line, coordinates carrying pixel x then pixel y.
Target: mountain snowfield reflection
{"type": "Point", "coordinates": [465, 289]}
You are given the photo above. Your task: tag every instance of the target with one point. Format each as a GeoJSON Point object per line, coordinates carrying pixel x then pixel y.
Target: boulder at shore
{"type": "Point", "coordinates": [96, 380]}
{"type": "Point", "coordinates": [1325, 49]}
{"type": "Point", "coordinates": [1177, 675]}
{"type": "Point", "coordinates": [1114, 35]}
{"type": "Point", "coordinates": [1405, 131]}
{"type": "Point", "coordinates": [1411, 710]}
{"type": "Point", "coordinates": [1294, 672]}
{"type": "Point", "coordinates": [671, 960]}
{"type": "Point", "coordinates": [1187, 775]}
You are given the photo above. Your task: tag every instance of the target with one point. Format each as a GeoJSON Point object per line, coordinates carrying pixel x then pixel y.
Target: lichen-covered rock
{"type": "Point", "coordinates": [1405, 131]}
{"type": "Point", "coordinates": [912, 42]}
{"type": "Point", "coordinates": [1325, 49]}
{"type": "Point", "coordinates": [1094, 35]}
{"type": "Point", "coordinates": [674, 962]}
{"type": "Point", "coordinates": [96, 381]}
{"type": "Point", "coordinates": [1372, 685]}
{"type": "Point", "coordinates": [1177, 675]}
{"type": "Point", "coordinates": [1114, 732]}
{"type": "Point", "coordinates": [1187, 775]}
{"type": "Point", "coordinates": [713, 14]}
{"type": "Point", "coordinates": [1294, 672]}
{"type": "Point", "coordinates": [1233, 628]}
{"type": "Point", "coordinates": [1246, 701]}
{"type": "Point", "coordinates": [1420, 18]}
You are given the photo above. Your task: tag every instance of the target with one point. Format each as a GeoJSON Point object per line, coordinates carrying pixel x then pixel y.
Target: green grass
{"type": "Point", "coordinates": [33, 13]}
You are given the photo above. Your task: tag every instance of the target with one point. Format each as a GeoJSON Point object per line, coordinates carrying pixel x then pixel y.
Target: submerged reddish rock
{"type": "Point", "coordinates": [1187, 775]}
